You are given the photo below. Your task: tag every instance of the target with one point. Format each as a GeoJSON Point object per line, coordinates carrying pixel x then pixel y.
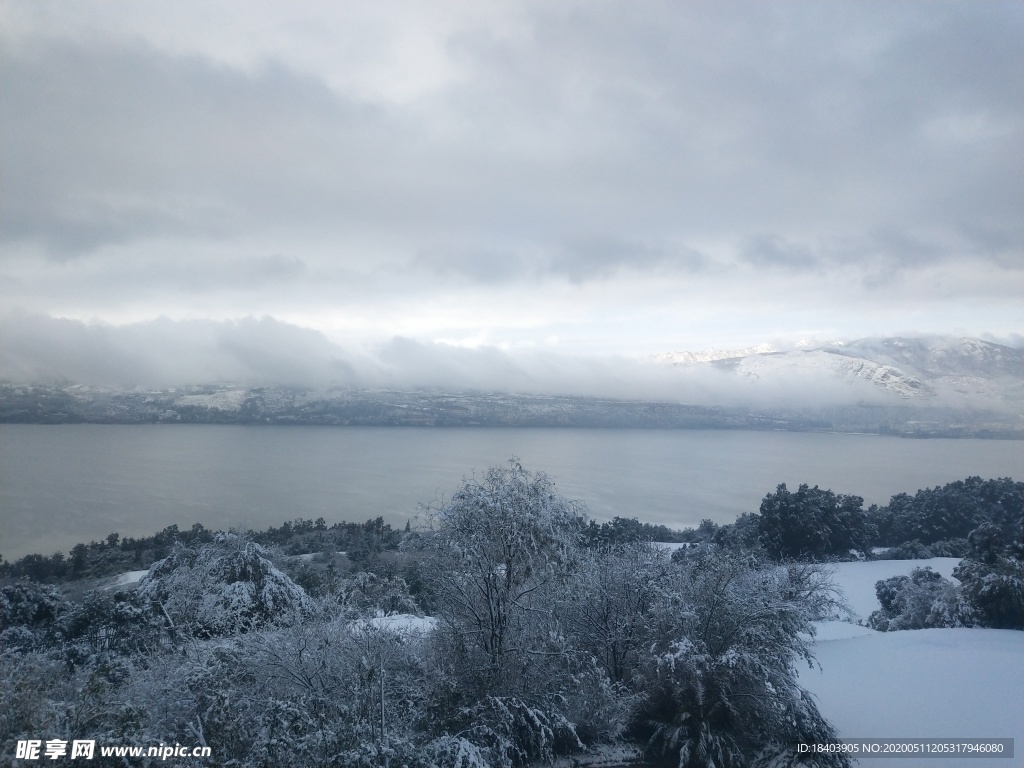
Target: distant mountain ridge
{"type": "Point", "coordinates": [910, 368]}
{"type": "Point", "coordinates": [941, 356]}
{"type": "Point", "coordinates": [937, 387]}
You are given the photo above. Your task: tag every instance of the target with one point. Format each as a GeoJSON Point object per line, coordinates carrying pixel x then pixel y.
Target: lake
{"type": "Point", "coordinates": [68, 483]}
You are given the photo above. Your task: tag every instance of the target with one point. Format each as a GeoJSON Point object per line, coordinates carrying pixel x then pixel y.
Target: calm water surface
{"type": "Point", "coordinates": [63, 484]}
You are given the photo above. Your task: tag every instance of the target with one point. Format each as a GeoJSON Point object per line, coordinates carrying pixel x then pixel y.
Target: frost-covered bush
{"type": "Point", "coordinates": [992, 574]}
{"type": "Point", "coordinates": [28, 615]}
{"type": "Point", "coordinates": [514, 732]}
{"type": "Point", "coordinates": [324, 692]}
{"type": "Point", "coordinates": [44, 699]}
{"type": "Point", "coordinates": [996, 593]}
{"type": "Point", "coordinates": [739, 536]}
{"type": "Point", "coordinates": [498, 555]}
{"type": "Point", "coordinates": [915, 550]}
{"type": "Point", "coordinates": [500, 551]}
{"type": "Point", "coordinates": [950, 512]}
{"type": "Point", "coordinates": [950, 548]}
{"type": "Point", "coordinates": [457, 752]}
{"type": "Point", "coordinates": [370, 593]}
{"type": "Point", "coordinates": [990, 592]}
{"type": "Point", "coordinates": [920, 601]}
{"type": "Point", "coordinates": [105, 626]}
{"type": "Point", "coordinates": [908, 550]}
{"type": "Point", "coordinates": [229, 585]}
{"type": "Point", "coordinates": [25, 680]}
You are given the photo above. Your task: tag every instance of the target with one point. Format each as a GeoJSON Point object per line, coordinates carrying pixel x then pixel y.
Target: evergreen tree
{"type": "Point", "coordinates": [812, 524]}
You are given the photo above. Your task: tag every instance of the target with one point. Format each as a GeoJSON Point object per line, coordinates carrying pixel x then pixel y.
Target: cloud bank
{"type": "Point", "coordinates": [591, 178]}
{"type": "Point", "coordinates": [163, 354]}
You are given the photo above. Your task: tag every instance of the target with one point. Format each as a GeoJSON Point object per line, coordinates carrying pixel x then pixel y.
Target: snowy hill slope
{"type": "Point", "coordinates": [941, 356]}
{"type": "Point", "coordinates": [939, 370]}
{"type": "Point", "coordinates": [827, 361]}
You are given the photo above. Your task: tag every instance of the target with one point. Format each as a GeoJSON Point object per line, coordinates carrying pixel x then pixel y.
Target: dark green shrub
{"type": "Point", "coordinates": [812, 524]}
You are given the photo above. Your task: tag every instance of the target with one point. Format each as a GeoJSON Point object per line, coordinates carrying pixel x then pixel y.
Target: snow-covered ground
{"type": "Point", "coordinates": [401, 624]}
{"type": "Point", "coordinates": [926, 683]}
{"type": "Point", "coordinates": [225, 399]}
{"type": "Point", "coordinates": [312, 555]}
{"type": "Point", "coordinates": [669, 546]}
{"type": "Point", "coordinates": [124, 579]}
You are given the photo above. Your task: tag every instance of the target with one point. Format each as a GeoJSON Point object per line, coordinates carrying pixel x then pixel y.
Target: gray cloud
{"type": "Point", "coordinates": [579, 260]}
{"type": "Point", "coordinates": [597, 257]}
{"type": "Point", "coordinates": [117, 143]}
{"type": "Point", "coordinates": [639, 155]}
{"type": "Point", "coordinates": [479, 264]}
{"type": "Point", "coordinates": [406, 361]}
{"type": "Point", "coordinates": [275, 269]}
{"type": "Point", "coordinates": [774, 251]}
{"type": "Point", "coordinates": [165, 353]}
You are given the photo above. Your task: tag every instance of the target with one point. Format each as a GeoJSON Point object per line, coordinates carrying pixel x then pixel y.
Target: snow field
{"type": "Point", "coordinates": [927, 683]}
{"type": "Point", "coordinates": [401, 624]}
{"type": "Point", "coordinates": [125, 579]}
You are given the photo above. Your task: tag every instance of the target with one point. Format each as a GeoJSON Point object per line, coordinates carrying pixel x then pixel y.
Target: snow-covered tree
{"type": "Point", "coordinates": [992, 575]}
{"type": "Point", "coordinates": [952, 511]}
{"type": "Point", "coordinates": [610, 608]}
{"type": "Point", "coordinates": [720, 680]}
{"type": "Point", "coordinates": [507, 677]}
{"type": "Point", "coordinates": [501, 550]}
{"type": "Point", "coordinates": [812, 524]}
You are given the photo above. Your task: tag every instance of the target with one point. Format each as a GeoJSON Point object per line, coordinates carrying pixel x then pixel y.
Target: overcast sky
{"type": "Point", "coordinates": [520, 179]}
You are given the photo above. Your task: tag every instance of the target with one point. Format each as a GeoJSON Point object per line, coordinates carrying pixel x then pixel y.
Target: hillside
{"type": "Point", "coordinates": [956, 372]}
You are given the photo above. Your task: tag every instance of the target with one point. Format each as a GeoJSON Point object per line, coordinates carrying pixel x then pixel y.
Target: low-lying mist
{"type": "Point", "coordinates": [164, 353]}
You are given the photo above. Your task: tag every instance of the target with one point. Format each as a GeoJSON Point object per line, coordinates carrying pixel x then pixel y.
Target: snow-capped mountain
{"type": "Point", "coordinates": [711, 355]}
{"type": "Point", "coordinates": [942, 356]}
{"type": "Point", "coordinates": [886, 377]}
{"type": "Point", "coordinates": [927, 368]}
